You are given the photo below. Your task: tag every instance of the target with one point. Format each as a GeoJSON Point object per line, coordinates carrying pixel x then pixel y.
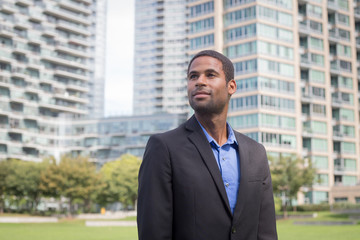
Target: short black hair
{"type": "Point", "coordinates": [227, 65]}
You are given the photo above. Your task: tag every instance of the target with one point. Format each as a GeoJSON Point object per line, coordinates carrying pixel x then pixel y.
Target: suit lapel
{"type": "Point", "coordinates": [198, 138]}
{"type": "Point", "coordinates": [244, 167]}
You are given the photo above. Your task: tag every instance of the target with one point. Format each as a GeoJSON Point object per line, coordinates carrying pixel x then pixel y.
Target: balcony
{"type": "Point", "coordinates": [71, 98]}
{"type": "Point", "coordinates": [63, 72]}
{"type": "Point", "coordinates": [7, 7]}
{"type": "Point", "coordinates": [74, 6]}
{"type": "Point", "coordinates": [334, 5]}
{"type": "Point", "coordinates": [336, 35]}
{"type": "Point", "coordinates": [77, 87]}
{"type": "Point", "coordinates": [62, 107]}
{"type": "Point", "coordinates": [21, 23]}
{"type": "Point", "coordinates": [36, 15]}
{"type": "Point", "coordinates": [340, 66]}
{"type": "Point", "coordinates": [72, 50]}
{"type": "Point", "coordinates": [309, 26]}
{"type": "Point", "coordinates": [75, 28]}
{"type": "Point", "coordinates": [7, 31]}
{"type": "Point", "coordinates": [56, 58]}
{"type": "Point", "coordinates": [357, 13]}
{"type": "Point", "coordinates": [62, 13]}
{"type": "Point", "coordinates": [79, 40]}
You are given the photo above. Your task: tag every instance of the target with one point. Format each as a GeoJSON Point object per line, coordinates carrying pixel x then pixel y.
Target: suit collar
{"type": "Point", "coordinates": [198, 138]}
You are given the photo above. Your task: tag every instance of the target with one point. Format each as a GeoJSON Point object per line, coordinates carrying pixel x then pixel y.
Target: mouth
{"type": "Point", "coordinates": [201, 93]}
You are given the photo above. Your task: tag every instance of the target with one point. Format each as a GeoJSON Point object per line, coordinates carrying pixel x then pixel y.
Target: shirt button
{"type": "Point", "coordinates": [223, 159]}
{"type": "Point", "coordinates": [233, 230]}
{"type": "Point", "coordinates": [227, 184]}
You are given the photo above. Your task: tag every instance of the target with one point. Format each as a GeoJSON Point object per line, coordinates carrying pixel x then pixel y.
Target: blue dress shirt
{"type": "Point", "coordinates": [228, 160]}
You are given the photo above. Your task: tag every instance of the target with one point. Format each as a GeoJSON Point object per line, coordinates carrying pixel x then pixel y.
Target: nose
{"type": "Point", "coordinates": [201, 80]}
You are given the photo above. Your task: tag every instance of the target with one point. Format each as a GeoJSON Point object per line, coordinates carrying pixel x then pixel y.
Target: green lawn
{"type": "Point", "coordinates": [76, 230]}
{"type": "Point", "coordinates": [64, 230]}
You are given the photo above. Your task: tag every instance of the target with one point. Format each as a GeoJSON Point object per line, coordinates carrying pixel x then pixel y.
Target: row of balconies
{"type": "Point", "coordinates": [26, 95]}
{"type": "Point", "coordinates": [23, 49]}
{"type": "Point", "coordinates": [68, 15]}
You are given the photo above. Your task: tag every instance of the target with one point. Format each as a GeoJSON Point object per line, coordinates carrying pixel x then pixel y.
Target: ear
{"type": "Point", "coordinates": [231, 87]}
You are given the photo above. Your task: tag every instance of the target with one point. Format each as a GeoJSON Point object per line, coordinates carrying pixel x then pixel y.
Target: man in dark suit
{"type": "Point", "coordinates": [203, 180]}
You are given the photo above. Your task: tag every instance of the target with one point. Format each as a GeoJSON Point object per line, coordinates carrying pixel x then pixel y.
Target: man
{"type": "Point", "coordinates": [203, 180]}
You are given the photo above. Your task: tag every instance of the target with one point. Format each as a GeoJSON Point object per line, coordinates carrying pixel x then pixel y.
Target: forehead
{"type": "Point", "coordinates": [205, 62]}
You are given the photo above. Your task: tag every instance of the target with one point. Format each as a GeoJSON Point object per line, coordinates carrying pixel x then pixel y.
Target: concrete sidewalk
{"type": "Point", "coordinates": [107, 215]}
{"type": "Point", "coordinates": [110, 223]}
{"type": "Point", "coordinates": [28, 220]}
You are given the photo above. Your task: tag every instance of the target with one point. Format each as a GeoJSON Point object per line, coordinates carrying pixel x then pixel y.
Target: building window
{"type": "Point", "coordinates": [276, 103]}
{"type": "Point", "coordinates": [247, 84]}
{"type": "Point", "coordinates": [321, 180]}
{"type": "Point", "coordinates": [320, 162]}
{"type": "Point", "coordinates": [243, 103]}
{"type": "Point", "coordinates": [281, 140]}
{"type": "Point", "coordinates": [202, 9]}
{"type": "Point", "coordinates": [202, 25]}
{"type": "Point", "coordinates": [232, 3]}
{"type": "Point", "coordinates": [240, 32]}
{"type": "Point", "coordinates": [241, 50]}
{"type": "Point", "coordinates": [241, 15]}
{"type": "Point", "coordinates": [276, 67]}
{"type": "Point", "coordinates": [243, 121]}
{"type": "Point", "coordinates": [201, 42]}
{"type": "Point", "coordinates": [245, 67]}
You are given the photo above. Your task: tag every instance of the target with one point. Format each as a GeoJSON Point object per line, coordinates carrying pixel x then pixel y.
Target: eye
{"type": "Point", "coordinates": [192, 76]}
{"type": "Point", "coordinates": [211, 75]}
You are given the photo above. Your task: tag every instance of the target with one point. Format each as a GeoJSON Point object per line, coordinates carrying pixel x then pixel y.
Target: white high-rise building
{"type": "Point", "coordinates": [160, 57]}
{"type": "Point", "coordinates": [48, 70]}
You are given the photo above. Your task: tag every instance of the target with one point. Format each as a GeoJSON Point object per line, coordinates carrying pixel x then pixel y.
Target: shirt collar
{"type": "Point", "coordinates": [231, 138]}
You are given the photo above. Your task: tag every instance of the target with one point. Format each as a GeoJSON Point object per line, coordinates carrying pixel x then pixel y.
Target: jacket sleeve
{"type": "Point", "coordinates": [267, 219]}
{"type": "Point", "coordinates": [155, 198]}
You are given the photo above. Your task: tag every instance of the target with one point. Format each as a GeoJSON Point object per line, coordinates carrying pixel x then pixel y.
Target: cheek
{"type": "Point", "coordinates": [190, 87]}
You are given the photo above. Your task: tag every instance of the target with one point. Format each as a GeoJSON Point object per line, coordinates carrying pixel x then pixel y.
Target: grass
{"type": "Point", "coordinates": [287, 230]}
{"type": "Point", "coordinates": [76, 230]}
{"type": "Point", "coordinates": [65, 229]}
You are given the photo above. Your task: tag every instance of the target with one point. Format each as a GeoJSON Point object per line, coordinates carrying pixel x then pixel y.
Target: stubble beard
{"type": "Point", "coordinates": [207, 108]}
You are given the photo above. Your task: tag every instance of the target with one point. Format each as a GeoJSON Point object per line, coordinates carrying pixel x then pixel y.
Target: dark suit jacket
{"type": "Point", "coordinates": [182, 195]}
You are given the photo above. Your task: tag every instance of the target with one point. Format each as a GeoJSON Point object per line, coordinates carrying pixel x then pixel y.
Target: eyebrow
{"type": "Point", "coordinates": [210, 70]}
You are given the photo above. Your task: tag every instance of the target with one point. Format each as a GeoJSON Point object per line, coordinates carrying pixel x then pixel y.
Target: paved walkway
{"type": "Point", "coordinates": [28, 220]}
{"type": "Point", "coordinates": [107, 215]}
{"type": "Point", "coordinates": [325, 223]}
{"type": "Point", "coordinates": [110, 223]}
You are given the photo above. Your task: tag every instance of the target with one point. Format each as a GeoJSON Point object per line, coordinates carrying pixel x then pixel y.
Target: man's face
{"type": "Point", "coordinates": [208, 92]}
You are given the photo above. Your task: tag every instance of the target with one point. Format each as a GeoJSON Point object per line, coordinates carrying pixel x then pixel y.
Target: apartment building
{"type": "Point", "coordinates": [296, 67]}
{"type": "Point", "coordinates": [160, 57]}
{"type": "Point", "coordinates": [46, 71]}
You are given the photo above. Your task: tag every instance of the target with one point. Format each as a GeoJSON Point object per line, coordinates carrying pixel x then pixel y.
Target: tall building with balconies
{"type": "Point", "coordinates": [160, 57]}
{"type": "Point", "coordinates": [296, 68]}
{"type": "Point", "coordinates": [46, 72]}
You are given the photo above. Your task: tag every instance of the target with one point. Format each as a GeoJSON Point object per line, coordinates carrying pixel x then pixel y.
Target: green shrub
{"type": "Point", "coordinates": [345, 206]}
{"type": "Point", "coordinates": [310, 207]}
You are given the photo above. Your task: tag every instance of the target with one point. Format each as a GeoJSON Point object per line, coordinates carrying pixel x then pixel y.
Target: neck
{"type": "Point", "coordinates": [215, 126]}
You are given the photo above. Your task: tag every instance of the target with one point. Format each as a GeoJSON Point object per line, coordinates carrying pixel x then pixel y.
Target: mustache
{"type": "Point", "coordinates": [201, 90]}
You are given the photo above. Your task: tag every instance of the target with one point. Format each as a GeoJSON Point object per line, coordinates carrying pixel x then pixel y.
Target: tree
{"type": "Point", "coordinates": [289, 174]}
{"type": "Point", "coordinates": [121, 184]}
{"type": "Point", "coordinates": [23, 181]}
{"type": "Point", "coordinates": [73, 178]}
{"type": "Point", "coordinates": [3, 174]}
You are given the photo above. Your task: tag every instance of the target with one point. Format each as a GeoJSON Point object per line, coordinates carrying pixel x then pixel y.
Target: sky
{"type": "Point", "coordinates": [119, 57]}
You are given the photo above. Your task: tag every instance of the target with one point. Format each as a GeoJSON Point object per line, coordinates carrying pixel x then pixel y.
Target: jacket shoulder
{"type": "Point", "coordinates": [171, 134]}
